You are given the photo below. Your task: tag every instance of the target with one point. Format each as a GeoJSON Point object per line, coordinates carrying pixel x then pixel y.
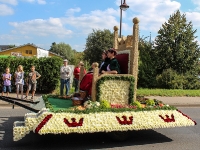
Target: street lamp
{"type": "Point", "coordinates": [123, 7]}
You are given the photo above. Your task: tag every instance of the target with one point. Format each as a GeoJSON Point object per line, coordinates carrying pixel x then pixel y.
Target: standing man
{"type": "Point", "coordinates": [77, 74]}
{"type": "Point", "coordinates": [65, 72]}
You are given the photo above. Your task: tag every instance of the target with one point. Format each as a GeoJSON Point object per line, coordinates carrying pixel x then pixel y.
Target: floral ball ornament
{"type": "Point", "coordinates": [91, 104]}
{"type": "Point", "coordinates": [105, 104]}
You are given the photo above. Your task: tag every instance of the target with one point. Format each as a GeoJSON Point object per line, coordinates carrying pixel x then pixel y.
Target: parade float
{"type": "Point", "coordinates": [113, 106]}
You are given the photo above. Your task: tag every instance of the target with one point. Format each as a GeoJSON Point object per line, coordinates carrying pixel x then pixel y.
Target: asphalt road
{"type": "Point", "coordinates": [184, 138]}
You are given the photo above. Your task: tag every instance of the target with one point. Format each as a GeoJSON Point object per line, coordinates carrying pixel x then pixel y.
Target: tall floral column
{"type": "Point", "coordinates": [95, 76]}
{"type": "Point", "coordinates": [135, 53]}
{"type": "Point", "coordinates": [115, 39]}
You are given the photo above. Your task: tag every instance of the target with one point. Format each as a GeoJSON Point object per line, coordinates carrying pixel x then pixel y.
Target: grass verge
{"type": "Point", "coordinates": [168, 92]}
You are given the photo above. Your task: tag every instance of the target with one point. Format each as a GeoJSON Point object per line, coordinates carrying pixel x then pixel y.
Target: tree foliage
{"type": "Point", "coordinates": [63, 50]}
{"type": "Point", "coordinates": [78, 56]}
{"type": "Point", "coordinates": [176, 46]}
{"type": "Point", "coordinates": [96, 42]}
{"type": "Point", "coordinates": [147, 70]}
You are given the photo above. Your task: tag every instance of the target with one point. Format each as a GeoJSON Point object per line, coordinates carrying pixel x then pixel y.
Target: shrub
{"type": "Point", "coordinates": [170, 79]}
{"type": "Point", "coordinates": [48, 67]}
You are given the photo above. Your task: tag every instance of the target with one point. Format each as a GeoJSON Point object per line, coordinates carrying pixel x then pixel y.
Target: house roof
{"type": "Point", "coordinates": [3, 47]}
{"type": "Point", "coordinates": [28, 44]}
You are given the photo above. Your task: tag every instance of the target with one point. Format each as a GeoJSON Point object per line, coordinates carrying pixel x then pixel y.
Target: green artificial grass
{"type": "Point", "coordinates": [58, 104]}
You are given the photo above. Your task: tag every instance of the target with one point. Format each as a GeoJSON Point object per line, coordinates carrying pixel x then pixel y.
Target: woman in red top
{"type": "Point", "coordinates": [86, 82]}
{"type": "Point", "coordinates": [76, 75]}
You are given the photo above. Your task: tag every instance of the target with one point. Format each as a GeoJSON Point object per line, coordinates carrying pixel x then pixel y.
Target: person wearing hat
{"type": "Point", "coordinates": [65, 74]}
{"type": "Point", "coordinates": [113, 66]}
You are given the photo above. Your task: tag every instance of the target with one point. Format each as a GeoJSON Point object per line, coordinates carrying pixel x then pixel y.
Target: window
{"type": "Point", "coordinates": [28, 51]}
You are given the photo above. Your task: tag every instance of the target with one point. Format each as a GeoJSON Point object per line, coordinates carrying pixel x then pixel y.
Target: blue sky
{"type": "Point", "coordinates": [43, 22]}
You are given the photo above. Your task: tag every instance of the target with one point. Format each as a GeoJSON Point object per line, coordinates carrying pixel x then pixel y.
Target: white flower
{"type": "Point", "coordinates": [101, 122]}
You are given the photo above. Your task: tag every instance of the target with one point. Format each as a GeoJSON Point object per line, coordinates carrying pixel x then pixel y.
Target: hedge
{"type": "Point", "coordinates": [48, 67]}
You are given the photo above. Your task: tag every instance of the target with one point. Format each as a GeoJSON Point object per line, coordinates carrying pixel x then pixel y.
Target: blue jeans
{"type": "Point", "coordinates": [6, 88]}
{"type": "Point", "coordinates": [76, 82]}
{"type": "Point", "coordinates": [66, 83]}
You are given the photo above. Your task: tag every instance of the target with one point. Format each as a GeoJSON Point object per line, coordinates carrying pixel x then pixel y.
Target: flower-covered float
{"type": "Point", "coordinates": [94, 116]}
{"type": "Point", "coordinates": [113, 105]}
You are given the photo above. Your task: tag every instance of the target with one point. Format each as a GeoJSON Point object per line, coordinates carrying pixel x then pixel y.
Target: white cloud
{"type": "Point", "coordinates": [153, 13]}
{"type": "Point", "coordinates": [109, 11]}
{"type": "Point", "coordinates": [41, 27]}
{"type": "Point", "coordinates": [95, 20]}
{"type": "Point", "coordinates": [194, 17]}
{"type": "Point", "coordinates": [11, 2]}
{"type": "Point", "coordinates": [72, 11]}
{"type": "Point", "coordinates": [7, 37]}
{"type": "Point", "coordinates": [196, 2]}
{"type": "Point", "coordinates": [29, 1]}
{"type": "Point", "coordinates": [42, 2]}
{"type": "Point", "coordinates": [5, 10]}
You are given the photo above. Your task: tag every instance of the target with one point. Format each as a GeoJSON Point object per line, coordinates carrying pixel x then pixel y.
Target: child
{"type": "Point", "coordinates": [6, 82]}
{"type": "Point", "coordinates": [32, 82]}
{"type": "Point", "coordinates": [19, 80]}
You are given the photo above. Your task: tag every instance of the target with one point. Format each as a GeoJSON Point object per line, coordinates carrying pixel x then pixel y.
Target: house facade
{"type": "Point", "coordinates": [27, 50]}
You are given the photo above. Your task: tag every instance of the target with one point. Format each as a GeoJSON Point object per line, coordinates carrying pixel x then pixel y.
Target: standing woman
{"type": "Point", "coordinates": [19, 80]}
{"type": "Point", "coordinates": [113, 66]}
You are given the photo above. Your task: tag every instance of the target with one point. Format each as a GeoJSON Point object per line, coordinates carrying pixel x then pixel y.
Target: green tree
{"type": "Point", "coordinates": [147, 70]}
{"type": "Point", "coordinates": [176, 46]}
{"type": "Point", "coordinates": [63, 50]}
{"type": "Point", "coordinates": [96, 42]}
{"type": "Point", "coordinates": [78, 56]}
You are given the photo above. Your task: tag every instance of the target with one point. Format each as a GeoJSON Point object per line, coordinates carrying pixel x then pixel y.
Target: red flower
{"type": "Point", "coordinates": [73, 123]}
{"type": "Point", "coordinates": [44, 121]}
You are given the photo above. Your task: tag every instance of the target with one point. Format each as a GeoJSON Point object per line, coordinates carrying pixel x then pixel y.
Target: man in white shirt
{"type": "Point", "coordinates": [65, 72]}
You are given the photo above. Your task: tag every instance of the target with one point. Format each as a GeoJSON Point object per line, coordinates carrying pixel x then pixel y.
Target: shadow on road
{"type": "Point", "coordinates": [72, 141]}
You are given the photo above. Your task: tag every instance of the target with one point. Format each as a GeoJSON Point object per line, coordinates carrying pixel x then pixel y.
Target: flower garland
{"type": "Point", "coordinates": [56, 123]}
{"type": "Point", "coordinates": [95, 119]}
{"type": "Point", "coordinates": [94, 105]}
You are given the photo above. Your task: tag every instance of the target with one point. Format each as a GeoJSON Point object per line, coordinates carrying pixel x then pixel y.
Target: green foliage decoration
{"type": "Point", "coordinates": [136, 103]}
{"type": "Point", "coordinates": [104, 104]}
{"type": "Point", "coordinates": [150, 102]}
{"type": "Point", "coordinates": [130, 79]}
{"type": "Point", "coordinates": [99, 109]}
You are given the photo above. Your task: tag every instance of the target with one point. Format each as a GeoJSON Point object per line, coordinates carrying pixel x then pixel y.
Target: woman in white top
{"type": "Point", "coordinates": [19, 80]}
